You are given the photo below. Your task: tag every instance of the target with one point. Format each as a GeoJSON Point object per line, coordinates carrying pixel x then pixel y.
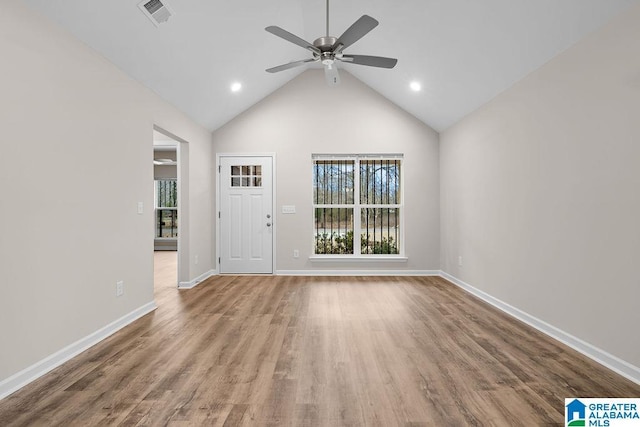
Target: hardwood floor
{"type": "Point", "coordinates": [165, 271]}
{"type": "Point", "coordinates": [307, 351]}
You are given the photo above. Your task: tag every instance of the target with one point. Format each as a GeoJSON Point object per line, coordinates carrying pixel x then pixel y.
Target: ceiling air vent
{"type": "Point", "coordinates": [157, 11]}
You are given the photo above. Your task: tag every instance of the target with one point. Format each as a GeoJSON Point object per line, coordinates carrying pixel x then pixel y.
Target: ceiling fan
{"type": "Point", "coordinates": [328, 49]}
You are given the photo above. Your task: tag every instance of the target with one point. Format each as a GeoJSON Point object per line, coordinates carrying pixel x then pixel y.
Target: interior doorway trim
{"type": "Point", "coordinates": [183, 198]}
{"type": "Point", "coordinates": [273, 204]}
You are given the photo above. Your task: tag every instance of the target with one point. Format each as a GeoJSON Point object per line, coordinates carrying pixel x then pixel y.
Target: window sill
{"type": "Point", "coordinates": [364, 258]}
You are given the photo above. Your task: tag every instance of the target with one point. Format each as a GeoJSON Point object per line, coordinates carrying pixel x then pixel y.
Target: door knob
{"type": "Point", "coordinates": [268, 216]}
{"type": "Point", "coordinates": [268, 224]}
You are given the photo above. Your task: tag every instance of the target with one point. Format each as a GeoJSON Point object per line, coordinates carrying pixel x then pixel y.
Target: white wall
{"type": "Point", "coordinates": [77, 137]}
{"type": "Point", "coordinates": [541, 192]}
{"type": "Point", "coordinates": [305, 117]}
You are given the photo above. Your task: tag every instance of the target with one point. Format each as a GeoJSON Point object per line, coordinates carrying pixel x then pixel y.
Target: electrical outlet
{"type": "Point", "coordinates": [296, 253]}
{"type": "Point", "coordinates": [140, 208]}
{"type": "Point", "coordinates": [195, 261]}
{"type": "Point", "coordinates": [460, 261]}
{"type": "Point", "coordinates": [119, 288]}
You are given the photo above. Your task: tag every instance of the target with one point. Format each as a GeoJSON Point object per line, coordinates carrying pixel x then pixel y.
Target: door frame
{"type": "Point", "coordinates": [273, 204]}
{"type": "Point", "coordinates": [182, 169]}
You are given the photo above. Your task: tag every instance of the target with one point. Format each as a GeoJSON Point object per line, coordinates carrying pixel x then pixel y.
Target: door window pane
{"type": "Point", "coordinates": [246, 176]}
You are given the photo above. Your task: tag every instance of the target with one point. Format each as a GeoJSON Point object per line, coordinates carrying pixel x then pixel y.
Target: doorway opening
{"type": "Point", "coordinates": [168, 220]}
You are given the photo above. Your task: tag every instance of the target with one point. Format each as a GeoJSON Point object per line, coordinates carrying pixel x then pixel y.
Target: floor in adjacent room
{"type": "Point", "coordinates": [307, 351]}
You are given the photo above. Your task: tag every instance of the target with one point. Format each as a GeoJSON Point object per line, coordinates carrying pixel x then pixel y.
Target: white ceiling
{"type": "Point", "coordinates": [463, 52]}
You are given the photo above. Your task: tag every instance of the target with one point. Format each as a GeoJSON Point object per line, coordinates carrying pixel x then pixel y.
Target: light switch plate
{"type": "Point", "coordinates": [119, 288]}
{"type": "Point", "coordinates": [288, 209]}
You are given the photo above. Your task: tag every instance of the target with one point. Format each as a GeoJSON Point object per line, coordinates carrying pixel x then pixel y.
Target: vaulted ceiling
{"type": "Point", "coordinates": [462, 52]}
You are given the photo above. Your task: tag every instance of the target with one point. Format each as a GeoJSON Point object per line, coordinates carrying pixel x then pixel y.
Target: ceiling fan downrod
{"type": "Point", "coordinates": [327, 18]}
{"type": "Point", "coordinates": [326, 44]}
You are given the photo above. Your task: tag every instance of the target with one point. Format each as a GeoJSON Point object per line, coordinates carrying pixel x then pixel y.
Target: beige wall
{"type": "Point", "coordinates": [76, 137]}
{"type": "Point", "coordinates": [541, 192]}
{"type": "Point", "coordinates": [165, 172]}
{"type": "Point", "coordinates": [306, 117]}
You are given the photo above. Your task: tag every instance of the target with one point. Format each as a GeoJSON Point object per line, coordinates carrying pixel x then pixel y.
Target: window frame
{"type": "Point", "coordinates": [156, 208]}
{"type": "Point", "coordinates": [357, 206]}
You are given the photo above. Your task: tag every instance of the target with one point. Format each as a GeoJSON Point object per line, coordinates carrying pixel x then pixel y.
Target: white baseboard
{"type": "Point", "coordinates": [612, 362]}
{"type": "Point", "coordinates": [35, 371]}
{"type": "Point", "coordinates": [358, 272]}
{"type": "Point", "coordinates": [195, 282]}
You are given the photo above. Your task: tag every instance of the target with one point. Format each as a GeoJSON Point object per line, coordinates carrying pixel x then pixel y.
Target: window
{"type": "Point", "coordinates": [246, 176]}
{"type": "Point", "coordinates": [166, 196]}
{"type": "Point", "coordinates": [357, 205]}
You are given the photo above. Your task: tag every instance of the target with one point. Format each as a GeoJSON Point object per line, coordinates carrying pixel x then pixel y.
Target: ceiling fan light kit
{"type": "Point", "coordinates": [327, 50]}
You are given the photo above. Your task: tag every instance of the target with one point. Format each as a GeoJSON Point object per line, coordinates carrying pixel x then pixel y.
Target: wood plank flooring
{"type": "Point", "coordinates": [316, 351]}
{"type": "Point", "coordinates": [165, 270]}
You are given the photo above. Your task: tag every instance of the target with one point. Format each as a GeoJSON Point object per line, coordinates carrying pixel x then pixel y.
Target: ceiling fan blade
{"type": "Point", "coordinates": [290, 65]}
{"type": "Point", "coordinates": [277, 31]}
{"type": "Point", "coordinates": [371, 61]}
{"type": "Point", "coordinates": [356, 31]}
{"type": "Point", "coordinates": [331, 74]}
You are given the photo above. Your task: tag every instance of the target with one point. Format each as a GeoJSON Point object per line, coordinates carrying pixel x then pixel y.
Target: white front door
{"type": "Point", "coordinates": [246, 217]}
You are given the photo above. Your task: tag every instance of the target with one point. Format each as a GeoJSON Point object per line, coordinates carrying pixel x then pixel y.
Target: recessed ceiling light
{"type": "Point", "coordinates": [235, 87]}
{"type": "Point", "coordinates": [415, 86]}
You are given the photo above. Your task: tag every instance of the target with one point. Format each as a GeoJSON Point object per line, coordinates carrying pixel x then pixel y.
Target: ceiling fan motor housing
{"type": "Point", "coordinates": [325, 44]}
